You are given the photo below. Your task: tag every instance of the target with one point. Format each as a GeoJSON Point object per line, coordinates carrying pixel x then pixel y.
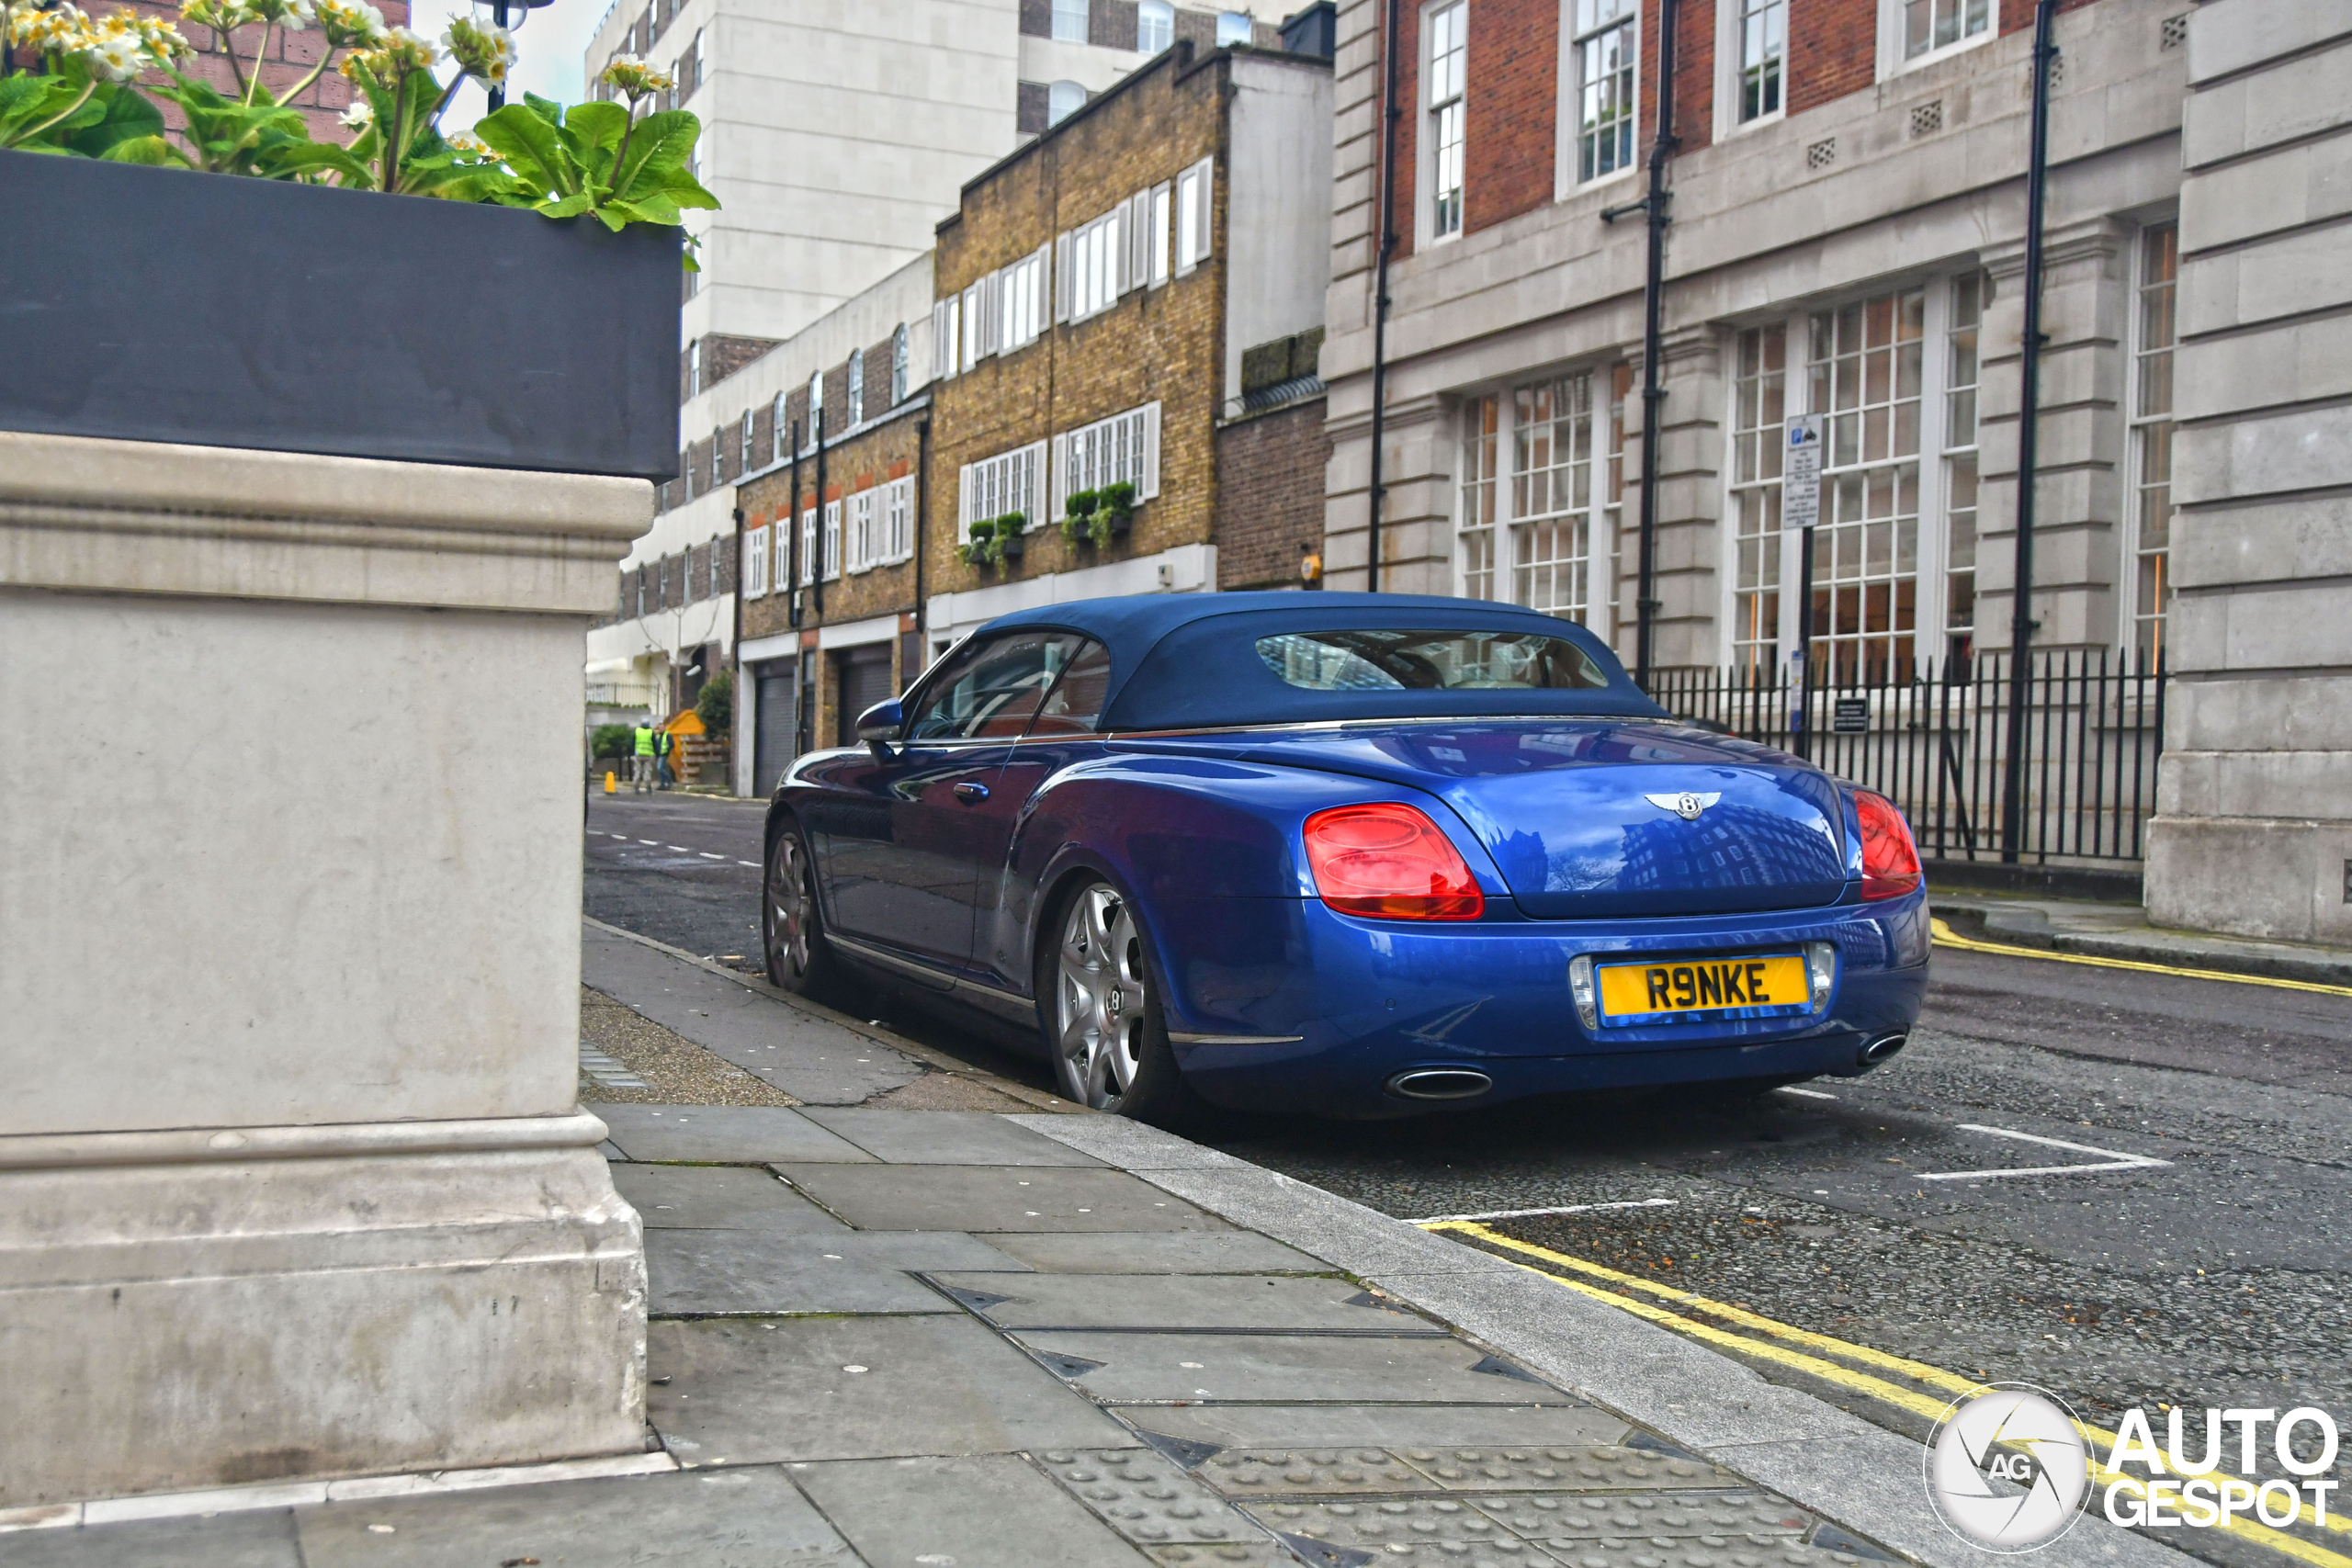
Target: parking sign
{"type": "Point", "coordinates": [1800, 472]}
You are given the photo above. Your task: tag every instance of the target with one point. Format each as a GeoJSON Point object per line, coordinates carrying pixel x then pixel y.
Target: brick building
{"type": "Point", "coordinates": [716, 567]}
{"type": "Point", "coordinates": [1848, 221]}
{"type": "Point", "coordinates": [1089, 333]}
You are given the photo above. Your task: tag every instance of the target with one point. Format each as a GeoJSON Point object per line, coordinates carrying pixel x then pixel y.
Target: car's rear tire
{"type": "Point", "coordinates": [792, 926]}
{"type": "Point", "coordinates": [1100, 1011]}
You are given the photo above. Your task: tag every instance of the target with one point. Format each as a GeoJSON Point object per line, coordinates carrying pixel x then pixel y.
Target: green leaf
{"type": "Point", "coordinates": [657, 148]}
{"type": "Point", "coordinates": [124, 116]}
{"type": "Point", "coordinates": [571, 206]}
{"type": "Point", "coordinates": [150, 150]}
{"type": "Point", "coordinates": [597, 125]}
{"type": "Point", "coordinates": [546, 108]}
{"type": "Point", "coordinates": [533, 149]}
{"type": "Point", "coordinates": [325, 157]}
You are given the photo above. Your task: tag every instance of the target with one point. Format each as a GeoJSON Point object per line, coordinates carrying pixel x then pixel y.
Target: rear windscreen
{"type": "Point", "coordinates": [1430, 660]}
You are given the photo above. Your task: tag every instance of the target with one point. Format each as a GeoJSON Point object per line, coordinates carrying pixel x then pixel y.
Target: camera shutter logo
{"type": "Point", "coordinates": [2008, 1468]}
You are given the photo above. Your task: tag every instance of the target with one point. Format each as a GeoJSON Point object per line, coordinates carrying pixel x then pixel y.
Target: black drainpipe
{"type": "Point", "coordinates": [2029, 418]}
{"type": "Point", "coordinates": [817, 542]}
{"type": "Point", "coordinates": [792, 534]}
{"type": "Point", "coordinates": [1654, 208]}
{"type": "Point", "coordinates": [922, 507]}
{"type": "Point", "coordinates": [1390, 114]}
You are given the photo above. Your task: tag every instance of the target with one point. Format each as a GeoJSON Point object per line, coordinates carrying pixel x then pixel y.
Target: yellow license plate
{"type": "Point", "coordinates": [1769, 985]}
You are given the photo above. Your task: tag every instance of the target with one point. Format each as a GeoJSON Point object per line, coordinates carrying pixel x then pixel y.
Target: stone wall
{"type": "Point", "coordinates": [2254, 831]}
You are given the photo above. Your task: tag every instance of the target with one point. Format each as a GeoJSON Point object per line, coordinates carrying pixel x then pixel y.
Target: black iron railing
{"type": "Point", "coordinates": [1934, 742]}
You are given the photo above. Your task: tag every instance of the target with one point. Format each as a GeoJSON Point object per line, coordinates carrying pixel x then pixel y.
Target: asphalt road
{"type": "Point", "coordinates": [2206, 1266]}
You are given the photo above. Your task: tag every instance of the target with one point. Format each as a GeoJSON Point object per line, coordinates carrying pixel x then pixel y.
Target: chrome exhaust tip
{"type": "Point", "coordinates": [1441, 1083]}
{"type": "Point", "coordinates": [1883, 1049]}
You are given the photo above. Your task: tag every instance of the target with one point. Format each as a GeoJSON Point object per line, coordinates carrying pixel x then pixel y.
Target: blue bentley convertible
{"type": "Point", "coordinates": [1351, 854]}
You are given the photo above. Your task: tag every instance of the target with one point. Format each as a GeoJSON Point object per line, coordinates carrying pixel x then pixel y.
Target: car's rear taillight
{"type": "Point", "coordinates": [1389, 861]}
{"type": "Point", "coordinates": [1890, 859]}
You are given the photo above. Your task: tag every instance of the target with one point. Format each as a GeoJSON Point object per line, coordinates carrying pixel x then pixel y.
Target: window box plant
{"type": "Point", "coordinates": [300, 309]}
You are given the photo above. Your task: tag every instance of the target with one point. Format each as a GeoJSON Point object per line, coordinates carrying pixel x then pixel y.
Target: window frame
{"type": "Point", "coordinates": [2141, 426]}
{"type": "Point", "coordinates": [1124, 446]}
{"type": "Point", "coordinates": [781, 434]}
{"type": "Point", "coordinates": [1196, 212]}
{"type": "Point", "coordinates": [1439, 223]}
{"type": "Point", "coordinates": [855, 412]}
{"type": "Point", "coordinates": [1230, 21]}
{"type": "Point", "coordinates": [987, 487]}
{"type": "Point", "coordinates": [756, 562]}
{"type": "Point", "coordinates": [1164, 15]}
{"type": "Point", "coordinates": [834, 540]}
{"type": "Point", "coordinates": [816, 408]}
{"type": "Point", "coordinates": [1894, 62]}
{"type": "Point", "coordinates": [1730, 36]}
{"type": "Point", "coordinates": [1062, 13]}
{"type": "Point", "coordinates": [1055, 92]}
{"type": "Point", "coordinates": [1568, 116]}
{"type": "Point", "coordinates": [902, 367]}
{"type": "Point", "coordinates": [1508, 524]}
{"type": "Point", "coordinates": [1931, 546]}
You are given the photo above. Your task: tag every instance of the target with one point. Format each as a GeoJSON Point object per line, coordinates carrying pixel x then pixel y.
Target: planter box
{"type": "Point", "coordinates": [162, 305]}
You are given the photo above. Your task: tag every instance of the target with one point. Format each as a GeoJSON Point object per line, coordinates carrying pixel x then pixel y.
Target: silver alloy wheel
{"type": "Point", "coordinates": [1099, 997]}
{"type": "Point", "coordinates": [787, 926]}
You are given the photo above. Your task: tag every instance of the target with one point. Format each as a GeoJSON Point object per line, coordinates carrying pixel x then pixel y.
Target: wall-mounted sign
{"type": "Point", "coordinates": [1850, 716]}
{"type": "Point", "coordinates": [1800, 472]}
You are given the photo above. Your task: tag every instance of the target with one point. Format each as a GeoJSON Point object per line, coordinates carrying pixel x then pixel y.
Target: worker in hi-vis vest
{"type": "Point", "coordinates": [640, 773]}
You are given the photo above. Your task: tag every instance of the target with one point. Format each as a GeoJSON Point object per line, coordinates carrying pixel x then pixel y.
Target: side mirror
{"type": "Point", "coordinates": [879, 724]}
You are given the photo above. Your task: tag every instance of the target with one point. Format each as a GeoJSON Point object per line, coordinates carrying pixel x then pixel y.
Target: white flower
{"type": "Point", "coordinates": [119, 57]}
{"type": "Point", "coordinates": [359, 116]}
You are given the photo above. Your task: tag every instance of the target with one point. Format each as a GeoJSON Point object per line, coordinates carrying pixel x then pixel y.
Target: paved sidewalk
{"type": "Point", "coordinates": [2121, 930]}
{"type": "Point", "coordinates": [966, 1338]}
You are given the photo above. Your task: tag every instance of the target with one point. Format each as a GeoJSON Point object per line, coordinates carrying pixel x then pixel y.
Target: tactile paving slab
{"type": "Point", "coordinates": [1311, 1473]}
{"type": "Point", "coordinates": [1145, 1496]}
{"type": "Point", "coordinates": [1790, 1553]}
{"type": "Point", "coordinates": [1406, 1529]}
{"type": "Point", "coordinates": [1596, 1469]}
{"type": "Point", "coordinates": [1718, 1516]}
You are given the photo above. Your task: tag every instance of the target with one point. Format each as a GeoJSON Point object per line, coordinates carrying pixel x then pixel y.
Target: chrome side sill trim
{"type": "Point", "coordinates": [988, 998]}
{"type": "Point", "coordinates": [1176, 1039]}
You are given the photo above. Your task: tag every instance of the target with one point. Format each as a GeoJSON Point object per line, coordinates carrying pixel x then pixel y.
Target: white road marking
{"type": "Point", "coordinates": [1533, 1214]}
{"type": "Point", "coordinates": [2111, 1159]}
{"type": "Point", "coordinates": [682, 848]}
{"type": "Point", "coordinates": [655, 842]}
{"type": "Point", "coordinates": [708, 855]}
{"type": "Point", "coordinates": [1808, 1093]}
{"type": "Point", "coordinates": [752, 863]}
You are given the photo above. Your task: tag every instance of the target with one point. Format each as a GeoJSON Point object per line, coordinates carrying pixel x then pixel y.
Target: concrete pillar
{"type": "Point", "coordinates": [2254, 827]}
{"type": "Point", "coordinates": [1691, 449]}
{"type": "Point", "coordinates": [2078, 494]}
{"type": "Point", "coordinates": [294, 1180]}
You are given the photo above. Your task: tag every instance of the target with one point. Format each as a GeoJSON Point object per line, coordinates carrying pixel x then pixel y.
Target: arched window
{"type": "Point", "coordinates": [782, 433]}
{"type": "Point", "coordinates": [816, 408]}
{"type": "Point", "coordinates": [698, 59]}
{"type": "Point", "coordinates": [898, 365]}
{"type": "Point", "coordinates": [855, 414]}
{"type": "Point", "coordinates": [1155, 26]}
{"type": "Point", "coordinates": [1063, 100]}
{"type": "Point", "coordinates": [693, 368]}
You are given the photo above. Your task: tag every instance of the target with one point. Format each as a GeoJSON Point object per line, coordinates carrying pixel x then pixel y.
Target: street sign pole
{"type": "Point", "coordinates": [1800, 511]}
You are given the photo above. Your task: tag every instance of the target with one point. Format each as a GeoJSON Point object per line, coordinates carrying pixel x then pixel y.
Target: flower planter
{"type": "Point", "coordinates": [1014, 544]}
{"type": "Point", "coordinates": [150, 304]}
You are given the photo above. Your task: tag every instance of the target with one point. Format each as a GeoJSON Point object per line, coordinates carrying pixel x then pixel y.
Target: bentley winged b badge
{"type": "Point", "coordinates": [1685, 804]}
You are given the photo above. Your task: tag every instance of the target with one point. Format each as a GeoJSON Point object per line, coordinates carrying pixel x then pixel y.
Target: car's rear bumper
{"type": "Point", "coordinates": [1340, 1006]}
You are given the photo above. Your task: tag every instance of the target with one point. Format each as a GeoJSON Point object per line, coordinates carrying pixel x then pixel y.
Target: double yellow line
{"type": "Point", "coordinates": [1946, 937]}
{"type": "Point", "coordinates": [1815, 1362]}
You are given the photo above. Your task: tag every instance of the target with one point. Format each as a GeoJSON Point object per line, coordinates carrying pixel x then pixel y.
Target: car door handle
{"type": "Point", "coordinates": [972, 794]}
